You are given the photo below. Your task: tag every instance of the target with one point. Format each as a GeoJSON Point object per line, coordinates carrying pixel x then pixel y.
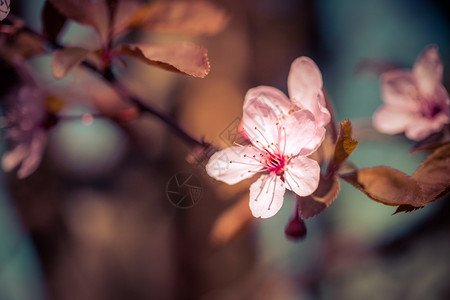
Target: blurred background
{"type": "Point", "coordinates": [95, 221]}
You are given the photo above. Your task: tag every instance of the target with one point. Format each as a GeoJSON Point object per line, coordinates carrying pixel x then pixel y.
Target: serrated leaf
{"type": "Point", "coordinates": [433, 141]}
{"type": "Point", "coordinates": [433, 175]}
{"type": "Point", "coordinates": [406, 208]}
{"type": "Point", "coordinates": [345, 145]}
{"type": "Point", "coordinates": [308, 207]}
{"type": "Point", "coordinates": [327, 190]}
{"type": "Point", "coordinates": [52, 21]}
{"type": "Point", "coordinates": [86, 12]}
{"type": "Point", "coordinates": [182, 58]}
{"type": "Point", "coordinates": [323, 196]}
{"type": "Point", "coordinates": [64, 60]}
{"type": "Point", "coordinates": [180, 17]}
{"type": "Point", "coordinates": [386, 185]}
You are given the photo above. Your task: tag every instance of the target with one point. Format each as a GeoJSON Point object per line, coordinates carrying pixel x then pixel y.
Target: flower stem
{"type": "Point", "coordinates": [109, 76]}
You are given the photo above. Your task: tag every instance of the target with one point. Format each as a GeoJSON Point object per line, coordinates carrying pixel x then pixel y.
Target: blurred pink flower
{"type": "Point", "coordinates": [29, 113]}
{"type": "Point", "coordinates": [282, 133]}
{"type": "Point", "coordinates": [26, 130]}
{"type": "Point", "coordinates": [415, 102]}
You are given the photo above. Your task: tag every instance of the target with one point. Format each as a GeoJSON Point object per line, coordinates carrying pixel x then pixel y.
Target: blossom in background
{"type": "Point", "coordinates": [281, 133]}
{"type": "Point", "coordinates": [415, 102]}
{"type": "Point", "coordinates": [25, 120]}
{"type": "Point", "coordinates": [30, 111]}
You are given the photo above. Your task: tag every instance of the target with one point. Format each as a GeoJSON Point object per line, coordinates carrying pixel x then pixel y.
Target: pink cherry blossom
{"type": "Point", "coordinates": [415, 102]}
{"type": "Point", "coordinates": [281, 134]}
{"type": "Point", "coordinates": [27, 122]}
{"type": "Point", "coordinates": [26, 132]}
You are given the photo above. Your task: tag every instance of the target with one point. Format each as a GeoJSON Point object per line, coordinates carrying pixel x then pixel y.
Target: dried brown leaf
{"type": "Point", "coordinates": [386, 185]}
{"type": "Point", "coordinates": [433, 175]}
{"type": "Point", "coordinates": [64, 60]}
{"type": "Point", "coordinates": [182, 58]}
{"type": "Point", "coordinates": [345, 145]}
{"type": "Point", "coordinates": [180, 17]}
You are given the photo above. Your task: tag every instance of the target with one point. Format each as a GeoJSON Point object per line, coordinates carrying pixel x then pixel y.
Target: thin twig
{"type": "Point", "coordinates": [108, 76]}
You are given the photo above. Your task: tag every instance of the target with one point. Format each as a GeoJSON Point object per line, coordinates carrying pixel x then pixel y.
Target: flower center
{"type": "Point", "coordinates": [430, 109]}
{"type": "Point", "coordinates": [275, 164]}
{"type": "Point", "coordinates": [268, 154]}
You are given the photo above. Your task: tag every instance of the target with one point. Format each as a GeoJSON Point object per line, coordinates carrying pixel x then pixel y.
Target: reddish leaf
{"type": "Point", "coordinates": [344, 146]}
{"type": "Point", "coordinates": [20, 43]}
{"type": "Point", "coordinates": [64, 60]}
{"type": "Point", "coordinates": [52, 21]}
{"type": "Point", "coordinates": [308, 207]}
{"type": "Point", "coordinates": [386, 185]}
{"type": "Point", "coordinates": [325, 194]}
{"type": "Point", "coordinates": [433, 175]}
{"type": "Point", "coordinates": [86, 12]}
{"type": "Point", "coordinates": [406, 208]}
{"type": "Point", "coordinates": [433, 141]}
{"type": "Point", "coordinates": [181, 17]}
{"type": "Point", "coordinates": [182, 58]}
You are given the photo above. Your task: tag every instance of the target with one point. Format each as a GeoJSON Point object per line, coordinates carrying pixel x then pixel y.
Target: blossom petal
{"type": "Point", "coordinates": [12, 158]}
{"type": "Point", "coordinates": [273, 97]}
{"type": "Point", "coordinates": [231, 166]}
{"type": "Point", "coordinates": [266, 196]}
{"type": "Point", "coordinates": [421, 128]}
{"type": "Point", "coordinates": [260, 121]}
{"type": "Point", "coordinates": [390, 119]}
{"type": "Point", "coordinates": [315, 142]}
{"type": "Point", "coordinates": [31, 101]}
{"type": "Point", "coordinates": [428, 70]}
{"type": "Point", "coordinates": [399, 88]}
{"type": "Point", "coordinates": [305, 88]}
{"type": "Point", "coordinates": [32, 161]}
{"type": "Point", "coordinates": [302, 175]}
{"type": "Point", "coordinates": [299, 130]}
{"type": "Point", "coordinates": [322, 115]}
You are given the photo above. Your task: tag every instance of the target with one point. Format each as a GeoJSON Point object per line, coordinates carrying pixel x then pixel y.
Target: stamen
{"type": "Point", "coordinates": [262, 188]}
{"type": "Point", "coordinates": [293, 179]}
{"type": "Point", "coordinates": [268, 143]}
{"type": "Point", "coordinates": [273, 193]}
